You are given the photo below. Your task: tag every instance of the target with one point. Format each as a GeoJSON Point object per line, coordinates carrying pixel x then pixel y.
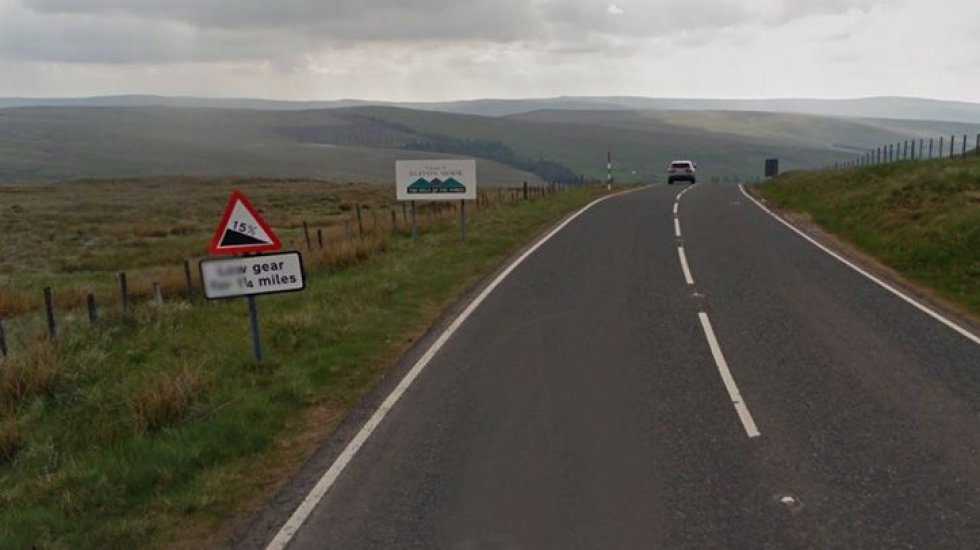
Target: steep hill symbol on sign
{"type": "Point", "coordinates": [242, 230]}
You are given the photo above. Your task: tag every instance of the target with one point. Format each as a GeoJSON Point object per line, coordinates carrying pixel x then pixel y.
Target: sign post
{"type": "Point", "coordinates": [436, 180]}
{"type": "Point", "coordinates": [242, 232]}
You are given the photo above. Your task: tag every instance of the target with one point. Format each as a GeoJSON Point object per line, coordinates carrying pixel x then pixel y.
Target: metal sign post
{"type": "Point", "coordinates": [462, 220]}
{"type": "Point", "coordinates": [253, 328]}
{"type": "Point", "coordinates": [415, 227]}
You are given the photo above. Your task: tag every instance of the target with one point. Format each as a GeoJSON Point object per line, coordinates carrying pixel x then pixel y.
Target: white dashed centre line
{"type": "Point", "coordinates": [687, 270]}
{"type": "Point", "coordinates": [726, 376]}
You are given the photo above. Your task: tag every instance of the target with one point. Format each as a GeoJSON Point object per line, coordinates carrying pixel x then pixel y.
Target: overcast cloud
{"type": "Point", "coordinates": [439, 49]}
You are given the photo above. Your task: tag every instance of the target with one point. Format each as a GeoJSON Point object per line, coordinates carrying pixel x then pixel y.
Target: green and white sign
{"type": "Point", "coordinates": [435, 180]}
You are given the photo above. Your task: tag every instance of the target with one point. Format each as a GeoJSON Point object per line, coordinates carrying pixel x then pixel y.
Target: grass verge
{"type": "Point", "coordinates": [157, 428]}
{"type": "Point", "coordinates": [920, 218]}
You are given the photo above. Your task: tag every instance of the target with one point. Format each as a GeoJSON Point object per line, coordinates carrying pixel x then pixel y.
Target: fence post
{"type": "Point", "coordinates": [930, 148]}
{"type": "Point", "coordinates": [913, 150]}
{"type": "Point", "coordinates": [525, 190]}
{"type": "Point", "coordinates": [940, 147]}
{"type": "Point", "coordinates": [319, 237]}
{"type": "Point", "coordinates": [93, 313]}
{"type": "Point", "coordinates": [347, 233]}
{"type": "Point", "coordinates": [189, 284]}
{"type": "Point", "coordinates": [905, 152]}
{"type": "Point", "coordinates": [3, 342]}
{"type": "Point", "coordinates": [964, 146]}
{"type": "Point", "coordinates": [158, 294]}
{"type": "Point", "coordinates": [123, 295]}
{"type": "Point", "coordinates": [977, 150]}
{"type": "Point", "coordinates": [49, 311]}
{"type": "Point", "coordinates": [306, 235]}
{"type": "Point", "coordinates": [360, 223]}
{"type": "Point", "coordinates": [952, 143]}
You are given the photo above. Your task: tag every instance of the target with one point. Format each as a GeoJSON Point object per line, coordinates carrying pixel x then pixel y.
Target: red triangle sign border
{"type": "Point", "coordinates": [215, 247]}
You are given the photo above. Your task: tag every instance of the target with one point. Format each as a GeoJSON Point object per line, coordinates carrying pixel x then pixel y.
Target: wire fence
{"type": "Point", "coordinates": [912, 149]}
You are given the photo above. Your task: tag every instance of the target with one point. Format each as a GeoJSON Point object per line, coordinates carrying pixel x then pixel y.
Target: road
{"type": "Point", "coordinates": [613, 392]}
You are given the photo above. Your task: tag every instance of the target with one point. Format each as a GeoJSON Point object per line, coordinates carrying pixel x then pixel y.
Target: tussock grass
{"type": "Point", "coordinates": [11, 440]}
{"type": "Point", "coordinates": [30, 373]}
{"type": "Point", "coordinates": [165, 398]}
{"type": "Point", "coordinates": [920, 218]}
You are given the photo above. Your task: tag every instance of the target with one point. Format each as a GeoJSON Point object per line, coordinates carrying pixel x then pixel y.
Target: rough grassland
{"type": "Point", "coordinates": [920, 218]}
{"type": "Point", "coordinates": [157, 429]}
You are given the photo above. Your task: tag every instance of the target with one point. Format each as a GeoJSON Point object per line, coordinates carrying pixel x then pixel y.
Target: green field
{"type": "Point", "coordinates": [156, 428]}
{"type": "Point", "coordinates": [920, 218]}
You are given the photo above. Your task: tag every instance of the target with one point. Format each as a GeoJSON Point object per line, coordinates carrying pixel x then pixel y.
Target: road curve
{"type": "Point", "coordinates": [670, 372]}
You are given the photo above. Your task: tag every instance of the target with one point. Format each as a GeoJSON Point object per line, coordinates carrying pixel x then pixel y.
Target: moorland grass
{"type": "Point", "coordinates": [157, 429]}
{"type": "Point", "coordinates": [920, 218]}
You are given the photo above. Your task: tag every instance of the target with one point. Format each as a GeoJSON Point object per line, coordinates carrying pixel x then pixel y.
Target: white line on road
{"type": "Point", "coordinates": [303, 511]}
{"type": "Point", "coordinates": [676, 206]}
{"type": "Point", "coordinates": [726, 376]}
{"type": "Point", "coordinates": [921, 307]}
{"type": "Point", "coordinates": [684, 266]}
{"type": "Point", "coordinates": [677, 227]}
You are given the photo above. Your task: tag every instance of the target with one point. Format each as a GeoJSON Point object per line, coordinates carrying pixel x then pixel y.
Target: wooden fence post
{"type": "Point", "coordinates": [319, 237]}
{"type": "Point", "coordinates": [306, 235]}
{"type": "Point", "coordinates": [952, 144]}
{"type": "Point", "coordinates": [158, 294]}
{"type": "Point", "coordinates": [93, 313]}
{"type": "Point", "coordinates": [360, 223]}
{"type": "Point", "coordinates": [964, 146]}
{"type": "Point", "coordinates": [49, 311]}
{"type": "Point", "coordinates": [3, 342]}
{"type": "Point", "coordinates": [525, 190]}
{"type": "Point", "coordinates": [187, 280]}
{"type": "Point", "coordinates": [123, 295]}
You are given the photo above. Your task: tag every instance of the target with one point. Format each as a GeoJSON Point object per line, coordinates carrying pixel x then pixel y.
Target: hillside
{"type": "Point", "coordinates": [361, 143]}
{"type": "Point", "coordinates": [921, 218]}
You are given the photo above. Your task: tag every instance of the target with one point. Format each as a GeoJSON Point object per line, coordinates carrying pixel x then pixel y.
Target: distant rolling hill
{"type": "Point", "coordinates": [361, 143]}
{"type": "Point", "coordinates": [903, 108]}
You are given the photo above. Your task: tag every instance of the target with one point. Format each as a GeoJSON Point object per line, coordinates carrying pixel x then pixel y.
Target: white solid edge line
{"type": "Point", "coordinates": [303, 511]}
{"type": "Point", "coordinates": [676, 206]}
{"type": "Point", "coordinates": [726, 376]}
{"type": "Point", "coordinates": [921, 307]}
{"type": "Point", "coordinates": [684, 266]}
{"type": "Point", "coordinates": [677, 227]}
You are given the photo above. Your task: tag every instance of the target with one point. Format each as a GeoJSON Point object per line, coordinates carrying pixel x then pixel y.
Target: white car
{"type": "Point", "coordinates": [681, 170]}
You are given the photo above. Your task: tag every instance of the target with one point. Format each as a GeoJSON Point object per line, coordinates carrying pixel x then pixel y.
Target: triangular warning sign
{"type": "Point", "coordinates": [242, 230]}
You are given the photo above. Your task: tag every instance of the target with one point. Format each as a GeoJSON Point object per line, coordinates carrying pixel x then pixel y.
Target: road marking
{"type": "Point", "coordinates": [303, 511]}
{"type": "Point", "coordinates": [677, 227]}
{"type": "Point", "coordinates": [681, 194]}
{"type": "Point", "coordinates": [921, 307]}
{"type": "Point", "coordinates": [684, 266]}
{"type": "Point", "coordinates": [676, 206]}
{"type": "Point", "coordinates": [726, 376]}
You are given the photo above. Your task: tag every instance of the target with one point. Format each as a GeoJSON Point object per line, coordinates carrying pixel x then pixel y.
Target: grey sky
{"type": "Point", "coordinates": [440, 49]}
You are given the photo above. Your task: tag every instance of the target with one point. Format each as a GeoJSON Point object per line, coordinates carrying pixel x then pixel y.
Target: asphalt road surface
{"type": "Point", "coordinates": [615, 392]}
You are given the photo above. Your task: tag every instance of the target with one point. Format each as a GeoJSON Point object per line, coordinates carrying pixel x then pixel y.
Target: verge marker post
{"type": "Point", "coordinates": [49, 312]}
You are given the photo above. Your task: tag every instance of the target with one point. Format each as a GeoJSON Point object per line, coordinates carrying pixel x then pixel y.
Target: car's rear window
{"type": "Point", "coordinates": [680, 165]}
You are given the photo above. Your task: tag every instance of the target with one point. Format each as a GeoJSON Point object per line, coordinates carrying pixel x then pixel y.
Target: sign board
{"type": "Point", "coordinates": [772, 168]}
{"type": "Point", "coordinates": [252, 275]}
{"type": "Point", "coordinates": [242, 230]}
{"type": "Point", "coordinates": [435, 180]}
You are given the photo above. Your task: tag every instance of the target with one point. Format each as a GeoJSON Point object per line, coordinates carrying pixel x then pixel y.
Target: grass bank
{"type": "Point", "coordinates": [157, 428]}
{"type": "Point", "coordinates": [920, 218]}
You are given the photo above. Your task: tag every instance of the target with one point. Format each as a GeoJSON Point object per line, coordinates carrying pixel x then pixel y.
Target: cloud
{"type": "Point", "coordinates": [613, 9]}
